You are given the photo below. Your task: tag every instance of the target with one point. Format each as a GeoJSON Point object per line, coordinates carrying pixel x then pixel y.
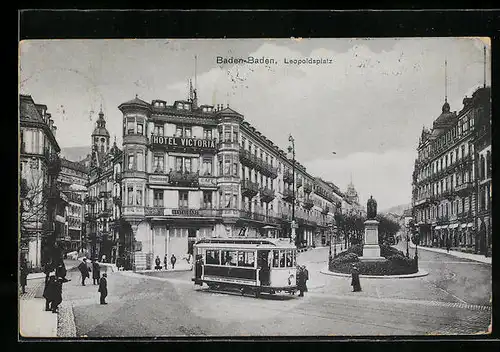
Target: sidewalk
{"type": "Point", "coordinates": [470, 256]}
{"type": "Point", "coordinates": [179, 266]}
{"type": "Point", "coordinates": [69, 263]}
{"type": "Point", "coordinates": [34, 321]}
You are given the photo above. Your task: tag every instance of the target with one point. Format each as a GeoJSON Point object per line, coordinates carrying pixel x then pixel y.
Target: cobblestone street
{"type": "Point", "coordinates": [168, 304]}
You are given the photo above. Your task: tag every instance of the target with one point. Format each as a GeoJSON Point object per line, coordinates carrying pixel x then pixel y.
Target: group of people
{"type": "Point", "coordinates": [158, 266]}
{"type": "Point", "coordinates": [302, 277]}
{"type": "Point", "coordinates": [95, 269]}
{"type": "Point", "coordinates": [55, 277]}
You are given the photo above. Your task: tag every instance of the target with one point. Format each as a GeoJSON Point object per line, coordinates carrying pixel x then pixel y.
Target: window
{"type": "Point", "coordinates": [282, 259]}
{"type": "Point", "coordinates": [227, 167]}
{"type": "Point", "coordinates": [207, 167]}
{"type": "Point", "coordinates": [289, 259]}
{"type": "Point", "coordinates": [130, 164]}
{"type": "Point", "coordinates": [158, 198]}
{"type": "Point", "coordinates": [130, 195]}
{"type": "Point", "coordinates": [207, 133]}
{"type": "Point", "coordinates": [158, 162]}
{"type": "Point", "coordinates": [227, 135]}
{"type": "Point", "coordinates": [235, 169]}
{"type": "Point", "coordinates": [178, 131]}
{"type": "Point", "coordinates": [158, 130]}
{"type": "Point", "coordinates": [276, 259]}
{"type": "Point", "coordinates": [229, 258]}
{"type": "Point", "coordinates": [207, 199]}
{"type": "Point", "coordinates": [138, 197]}
{"type": "Point", "coordinates": [235, 137]}
{"type": "Point", "coordinates": [140, 127]}
{"type": "Point", "coordinates": [187, 132]}
{"type": "Point", "coordinates": [183, 199]}
{"type": "Point", "coordinates": [140, 161]}
{"type": "Point", "coordinates": [187, 165]}
{"type": "Point", "coordinates": [212, 257]}
{"type": "Point", "coordinates": [130, 126]}
{"type": "Point", "coordinates": [246, 259]}
{"type": "Point", "coordinates": [178, 164]}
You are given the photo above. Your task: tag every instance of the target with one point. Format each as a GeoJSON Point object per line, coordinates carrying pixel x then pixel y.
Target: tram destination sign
{"type": "Point", "coordinates": [184, 143]}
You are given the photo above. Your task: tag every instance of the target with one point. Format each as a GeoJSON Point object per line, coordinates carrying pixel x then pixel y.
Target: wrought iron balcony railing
{"type": "Point", "coordinates": [267, 194]}
{"type": "Point", "coordinates": [288, 177]}
{"type": "Point", "coordinates": [308, 203]}
{"type": "Point", "coordinates": [187, 179]}
{"type": "Point", "coordinates": [307, 188]}
{"type": "Point", "coordinates": [249, 188]}
{"type": "Point", "coordinates": [288, 195]}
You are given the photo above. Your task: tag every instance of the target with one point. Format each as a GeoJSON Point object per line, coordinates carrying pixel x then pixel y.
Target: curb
{"type": "Point", "coordinates": [66, 326]}
{"type": "Point", "coordinates": [420, 273]}
{"type": "Point", "coordinates": [463, 256]}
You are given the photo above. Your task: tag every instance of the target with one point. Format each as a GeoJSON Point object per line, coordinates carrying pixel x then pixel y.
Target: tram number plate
{"type": "Point", "coordinates": [231, 280]}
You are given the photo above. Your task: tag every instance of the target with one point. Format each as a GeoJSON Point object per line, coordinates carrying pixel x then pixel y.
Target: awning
{"type": "Point", "coordinates": [60, 219]}
{"type": "Point", "coordinates": [77, 188]}
{"type": "Point", "coordinates": [444, 226]}
{"type": "Point", "coordinates": [437, 227]}
{"type": "Point", "coordinates": [453, 226]}
{"type": "Point", "coordinates": [464, 225]}
{"type": "Point", "coordinates": [470, 224]}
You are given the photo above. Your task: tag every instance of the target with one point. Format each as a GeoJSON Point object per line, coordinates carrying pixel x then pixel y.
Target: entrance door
{"type": "Point", "coordinates": [264, 266]}
{"type": "Point", "coordinates": [191, 240]}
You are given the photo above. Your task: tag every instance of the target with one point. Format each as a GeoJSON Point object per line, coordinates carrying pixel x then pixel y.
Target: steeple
{"type": "Point", "coordinates": [446, 106]}
{"type": "Point", "coordinates": [100, 136]}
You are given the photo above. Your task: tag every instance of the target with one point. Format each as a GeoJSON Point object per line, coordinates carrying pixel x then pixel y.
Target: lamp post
{"type": "Point", "coordinates": [291, 149]}
{"type": "Point", "coordinates": [334, 229]}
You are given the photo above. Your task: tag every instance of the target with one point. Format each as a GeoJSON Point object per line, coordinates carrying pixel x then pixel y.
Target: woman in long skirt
{"type": "Point", "coordinates": [356, 285]}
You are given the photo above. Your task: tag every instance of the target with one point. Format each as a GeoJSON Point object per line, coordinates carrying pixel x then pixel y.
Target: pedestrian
{"type": "Point", "coordinates": [356, 285]}
{"type": "Point", "coordinates": [103, 288]}
{"type": "Point", "coordinates": [49, 291]}
{"type": "Point", "coordinates": [103, 258]}
{"type": "Point", "coordinates": [57, 294]}
{"type": "Point", "coordinates": [24, 274]}
{"type": "Point", "coordinates": [158, 262]}
{"type": "Point", "coordinates": [47, 269]}
{"type": "Point", "coordinates": [61, 272]}
{"type": "Point", "coordinates": [84, 270]}
{"type": "Point", "coordinates": [173, 259]}
{"type": "Point", "coordinates": [448, 244]}
{"type": "Point", "coordinates": [96, 272]}
{"type": "Point", "coordinates": [302, 276]}
{"type": "Point", "coordinates": [165, 262]}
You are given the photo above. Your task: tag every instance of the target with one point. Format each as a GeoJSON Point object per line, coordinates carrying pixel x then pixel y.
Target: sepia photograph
{"type": "Point", "coordinates": [254, 187]}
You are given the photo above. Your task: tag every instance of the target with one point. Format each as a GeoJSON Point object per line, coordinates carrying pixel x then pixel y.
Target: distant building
{"type": "Point", "coordinates": [42, 204]}
{"type": "Point", "coordinates": [350, 203]}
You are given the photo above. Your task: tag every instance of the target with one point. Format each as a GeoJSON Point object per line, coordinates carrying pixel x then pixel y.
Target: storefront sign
{"type": "Point", "coordinates": [181, 142]}
{"type": "Point", "coordinates": [207, 182]}
{"type": "Point", "coordinates": [182, 212]}
{"type": "Point", "coordinates": [158, 179]}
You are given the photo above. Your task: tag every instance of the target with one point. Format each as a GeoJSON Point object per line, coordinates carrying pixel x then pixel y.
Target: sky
{"type": "Point", "coordinates": [367, 104]}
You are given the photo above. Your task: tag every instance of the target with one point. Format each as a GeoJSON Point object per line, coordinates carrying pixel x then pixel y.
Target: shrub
{"type": "Point", "coordinates": [387, 251]}
{"type": "Point", "coordinates": [356, 249]}
{"type": "Point", "coordinates": [401, 260]}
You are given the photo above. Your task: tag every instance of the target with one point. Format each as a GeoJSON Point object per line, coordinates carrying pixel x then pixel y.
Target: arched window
{"type": "Point", "coordinates": [482, 173]}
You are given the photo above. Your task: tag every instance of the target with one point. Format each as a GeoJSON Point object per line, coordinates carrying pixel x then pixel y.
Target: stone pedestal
{"type": "Point", "coordinates": [371, 248]}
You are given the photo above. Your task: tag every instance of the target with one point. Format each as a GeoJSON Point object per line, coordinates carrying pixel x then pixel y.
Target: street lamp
{"type": "Point", "coordinates": [291, 149]}
{"type": "Point", "coordinates": [334, 231]}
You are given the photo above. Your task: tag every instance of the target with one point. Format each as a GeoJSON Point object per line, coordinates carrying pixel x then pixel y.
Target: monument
{"type": "Point", "coordinates": [371, 248]}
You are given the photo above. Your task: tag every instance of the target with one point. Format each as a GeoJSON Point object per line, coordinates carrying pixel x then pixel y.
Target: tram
{"type": "Point", "coordinates": [250, 265]}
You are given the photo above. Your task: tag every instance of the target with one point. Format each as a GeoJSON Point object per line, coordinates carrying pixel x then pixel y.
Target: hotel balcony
{"type": "Point", "coordinates": [266, 169]}
{"type": "Point", "coordinates": [288, 177]}
{"type": "Point", "coordinates": [185, 179]}
{"type": "Point", "coordinates": [307, 188]}
{"type": "Point", "coordinates": [308, 204]}
{"type": "Point", "coordinates": [464, 188]}
{"type": "Point", "coordinates": [441, 220]}
{"type": "Point", "coordinates": [248, 159]}
{"type": "Point", "coordinates": [325, 210]}
{"type": "Point", "coordinates": [267, 194]}
{"type": "Point", "coordinates": [53, 162]}
{"type": "Point", "coordinates": [465, 215]}
{"type": "Point", "coordinates": [228, 145]}
{"type": "Point", "coordinates": [298, 183]}
{"type": "Point", "coordinates": [249, 188]}
{"type": "Point", "coordinates": [288, 195]}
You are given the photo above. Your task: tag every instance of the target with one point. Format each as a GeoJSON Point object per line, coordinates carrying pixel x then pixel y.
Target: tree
{"type": "Point", "coordinates": [387, 228]}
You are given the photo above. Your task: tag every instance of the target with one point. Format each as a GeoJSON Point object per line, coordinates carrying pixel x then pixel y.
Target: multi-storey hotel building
{"type": "Point", "coordinates": [103, 200]}
{"type": "Point", "coordinates": [42, 204]}
{"type": "Point", "coordinates": [445, 176]}
{"type": "Point", "coordinates": [197, 171]}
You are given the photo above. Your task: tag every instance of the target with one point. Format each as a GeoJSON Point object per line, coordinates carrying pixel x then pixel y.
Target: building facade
{"type": "Point", "coordinates": [103, 200]}
{"type": "Point", "coordinates": [445, 178]}
{"type": "Point", "coordinates": [194, 171]}
{"type": "Point", "coordinates": [72, 181]}
{"type": "Point", "coordinates": [42, 204]}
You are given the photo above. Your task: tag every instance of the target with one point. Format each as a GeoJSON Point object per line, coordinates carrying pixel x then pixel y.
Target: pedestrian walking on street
{"type": "Point", "coordinates": [96, 272]}
{"type": "Point", "coordinates": [61, 272]}
{"type": "Point", "coordinates": [448, 244]}
{"type": "Point", "coordinates": [302, 276]}
{"type": "Point", "coordinates": [84, 270]}
{"type": "Point", "coordinates": [103, 288]}
{"type": "Point", "coordinates": [355, 283]}
{"type": "Point", "coordinates": [157, 262]}
{"type": "Point", "coordinates": [49, 292]}
{"type": "Point", "coordinates": [57, 298]}
{"type": "Point", "coordinates": [173, 259]}
{"type": "Point", "coordinates": [165, 262]}
{"type": "Point", "coordinates": [24, 274]}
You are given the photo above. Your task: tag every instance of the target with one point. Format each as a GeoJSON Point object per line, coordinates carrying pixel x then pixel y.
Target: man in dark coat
{"type": "Point", "coordinates": [57, 294]}
{"type": "Point", "coordinates": [302, 277]}
{"type": "Point", "coordinates": [84, 270]}
{"type": "Point", "coordinates": [24, 274]}
{"type": "Point", "coordinates": [61, 272]}
{"type": "Point", "coordinates": [355, 283]}
{"type": "Point", "coordinates": [165, 262]}
{"type": "Point", "coordinates": [96, 272]}
{"type": "Point", "coordinates": [158, 263]}
{"type": "Point", "coordinates": [103, 288]}
{"type": "Point", "coordinates": [173, 259]}
{"type": "Point", "coordinates": [49, 292]}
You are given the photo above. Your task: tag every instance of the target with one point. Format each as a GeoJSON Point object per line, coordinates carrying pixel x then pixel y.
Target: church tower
{"type": "Point", "coordinates": [100, 136]}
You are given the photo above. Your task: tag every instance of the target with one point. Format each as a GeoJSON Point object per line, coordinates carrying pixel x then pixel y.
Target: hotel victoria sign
{"type": "Point", "coordinates": [182, 143]}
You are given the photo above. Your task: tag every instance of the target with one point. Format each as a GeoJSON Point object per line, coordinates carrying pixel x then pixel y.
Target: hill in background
{"type": "Point", "coordinates": [75, 153]}
{"type": "Point", "coordinates": [398, 209]}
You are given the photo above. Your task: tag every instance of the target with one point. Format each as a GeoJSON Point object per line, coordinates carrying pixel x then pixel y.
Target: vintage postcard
{"type": "Point", "coordinates": [255, 187]}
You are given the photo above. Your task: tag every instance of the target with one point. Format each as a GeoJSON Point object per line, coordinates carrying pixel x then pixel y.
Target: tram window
{"type": "Point", "coordinates": [294, 258]}
{"type": "Point", "coordinates": [276, 259]}
{"type": "Point", "coordinates": [229, 258]}
{"type": "Point", "coordinates": [246, 259]}
{"type": "Point", "coordinates": [288, 259]}
{"type": "Point", "coordinates": [282, 259]}
{"type": "Point", "coordinates": [212, 257]}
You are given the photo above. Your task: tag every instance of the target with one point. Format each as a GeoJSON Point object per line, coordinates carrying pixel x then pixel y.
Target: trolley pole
{"type": "Point", "coordinates": [291, 148]}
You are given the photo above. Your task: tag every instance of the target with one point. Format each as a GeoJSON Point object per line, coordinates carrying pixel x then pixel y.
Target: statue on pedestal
{"type": "Point", "coordinates": [371, 208]}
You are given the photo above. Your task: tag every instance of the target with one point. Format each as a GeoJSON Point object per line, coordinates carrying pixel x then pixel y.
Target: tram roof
{"type": "Point", "coordinates": [246, 242]}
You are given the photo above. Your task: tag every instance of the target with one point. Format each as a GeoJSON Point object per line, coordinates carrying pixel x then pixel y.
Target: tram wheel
{"type": "Point", "coordinates": [242, 291]}
{"type": "Point", "coordinates": [257, 293]}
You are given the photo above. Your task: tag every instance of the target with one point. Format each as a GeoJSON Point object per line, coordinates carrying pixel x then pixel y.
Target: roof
{"type": "Point", "coordinates": [228, 110]}
{"type": "Point", "coordinates": [244, 242]}
{"type": "Point", "coordinates": [136, 101]}
{"type": "Point", "coordinates": [100, 131]}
